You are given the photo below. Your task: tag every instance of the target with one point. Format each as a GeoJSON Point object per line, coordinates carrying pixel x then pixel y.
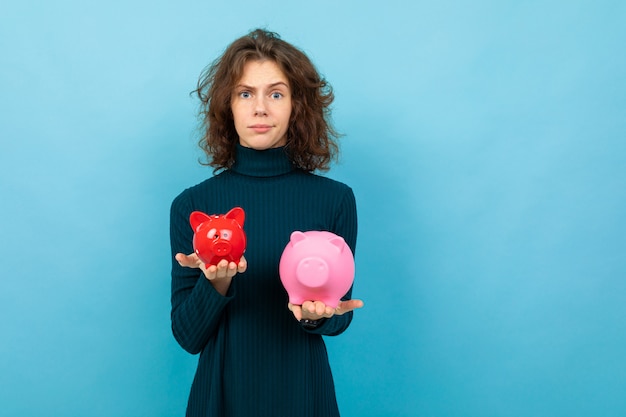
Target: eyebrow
{"type": "Point", "coordinates": [270, 86]}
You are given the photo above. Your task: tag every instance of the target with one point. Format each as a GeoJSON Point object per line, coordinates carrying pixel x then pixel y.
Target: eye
{"type": "Point", "coordinates": [277, 95]}
{"type": "Point", "coordinates": [226, 234]}
{"type": "Point", "coordinates": [245, 94]}
{"type": "Point", "coordinates": [212, 234]}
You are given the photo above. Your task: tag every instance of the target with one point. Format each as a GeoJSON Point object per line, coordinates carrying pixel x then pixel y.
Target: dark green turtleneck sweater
{"type": "Point", "coordinates": [255, 359]}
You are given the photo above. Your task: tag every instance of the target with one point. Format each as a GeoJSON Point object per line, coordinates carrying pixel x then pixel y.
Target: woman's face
{"type": "Point", "coordinates": [261, 106]}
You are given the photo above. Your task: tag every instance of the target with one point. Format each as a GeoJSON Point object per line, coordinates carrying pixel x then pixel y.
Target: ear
{"type": "Point", "coordinates": [338, 242]}
{"type": "Point", "coordinates": [237, 214]}
{"type": "Point", "coordinates": [197, 218]}
{"type": "Point", "coordinates": [297, 237]}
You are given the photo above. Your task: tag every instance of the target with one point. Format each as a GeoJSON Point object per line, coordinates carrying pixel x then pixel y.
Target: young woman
{"type": "Point", "coordinates": [266, 130]}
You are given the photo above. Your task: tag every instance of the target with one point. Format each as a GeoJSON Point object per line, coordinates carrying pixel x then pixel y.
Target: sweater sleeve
{"type": "Point", "coordinates": [196, 306]}
{"type": "Point", "coordinates": [345, 225]}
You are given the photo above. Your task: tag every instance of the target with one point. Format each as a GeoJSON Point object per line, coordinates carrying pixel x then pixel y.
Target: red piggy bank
{"type": "Point", "coordinates": [218, 237]}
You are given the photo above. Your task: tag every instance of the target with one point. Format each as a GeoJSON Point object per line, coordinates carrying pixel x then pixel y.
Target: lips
{"type": "Point", "coordinates": [261, 128]}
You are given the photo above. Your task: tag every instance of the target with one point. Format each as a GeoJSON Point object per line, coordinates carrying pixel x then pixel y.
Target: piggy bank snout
{"type": "Point", "coordinates": [312, 272]}
{"type": "Point", "coordinates": [222, 247]}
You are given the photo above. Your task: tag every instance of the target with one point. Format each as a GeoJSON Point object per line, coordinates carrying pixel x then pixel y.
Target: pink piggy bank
{"type": "Point", "coordinates": [218, 237]}
{"type": "Point", "coordinates": [316, 266]}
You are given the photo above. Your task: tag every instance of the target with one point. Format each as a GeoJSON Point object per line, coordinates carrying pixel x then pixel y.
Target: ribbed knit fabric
{"type": "Point", "coordinates": [256, 360]}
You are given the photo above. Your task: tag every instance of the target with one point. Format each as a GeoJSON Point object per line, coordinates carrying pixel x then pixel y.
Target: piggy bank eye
{"type": "Point", "coordinates": [227, 234]}
{"type": "Point", "coordinates": [212, 234]}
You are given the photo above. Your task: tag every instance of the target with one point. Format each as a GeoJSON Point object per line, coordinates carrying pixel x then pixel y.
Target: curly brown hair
{"type": "Point", "coordinates": [311, 139]}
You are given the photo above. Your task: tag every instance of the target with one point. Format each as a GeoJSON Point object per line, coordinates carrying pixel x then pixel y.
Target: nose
{"type": "Point", "coordinates": [260, 108]}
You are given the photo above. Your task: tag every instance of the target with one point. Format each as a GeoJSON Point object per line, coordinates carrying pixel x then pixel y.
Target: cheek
{"type": "Point", "coordinates": [289, 112]}
{"type": "Point", "coordinates": [237, 113]}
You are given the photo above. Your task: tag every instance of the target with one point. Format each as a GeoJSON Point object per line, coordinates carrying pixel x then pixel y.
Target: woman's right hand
{"type": "Point", "coordinates": [220, 275]}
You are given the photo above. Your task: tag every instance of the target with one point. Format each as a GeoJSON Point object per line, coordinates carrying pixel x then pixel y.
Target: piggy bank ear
{"type": "Point", "coordinates": [197, 218]}
{"type": "Point", "coordinates": [297, 237]}
{"type": "Point", "coordinates": [338, 242]}
{"type": "Point", "coordinates": [237, 214]}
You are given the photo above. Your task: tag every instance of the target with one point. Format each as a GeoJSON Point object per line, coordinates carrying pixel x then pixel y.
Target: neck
{"type": "Point", "coordinates": [265, 163]}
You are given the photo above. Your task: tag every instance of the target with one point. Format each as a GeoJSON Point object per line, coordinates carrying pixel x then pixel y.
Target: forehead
{"type": "Point", "coordinates": [262, 73]}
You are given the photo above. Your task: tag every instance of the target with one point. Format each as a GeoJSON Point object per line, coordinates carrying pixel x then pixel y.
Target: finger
{"type": "Point", "coordinates": [308, 307]}
{"type": "Point", "coordinates": [210, 273]}
{"type": "Point", "coordinates": [242, 266]}
{"type": "Point", "coordinates": [222, 269]}
{"type": "Point", "coordinates": [232, 269]}
{"type": "Point", "coordinates": [296, 310]}
{"type": "Point", "coordinates": [320, 308]}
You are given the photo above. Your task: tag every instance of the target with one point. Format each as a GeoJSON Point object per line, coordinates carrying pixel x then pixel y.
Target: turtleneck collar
{"type": "Point", "coordinates": [266, 163]}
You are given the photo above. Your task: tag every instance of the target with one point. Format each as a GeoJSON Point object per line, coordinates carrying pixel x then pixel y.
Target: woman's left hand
{"type": "Point", "coordinates": [315, 310]}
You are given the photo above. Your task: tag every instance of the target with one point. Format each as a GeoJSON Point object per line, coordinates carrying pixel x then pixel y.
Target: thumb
{"type": "Point", "coordinates": [347, 306]}
{"type": "Point", "coordinates": [189, 261]}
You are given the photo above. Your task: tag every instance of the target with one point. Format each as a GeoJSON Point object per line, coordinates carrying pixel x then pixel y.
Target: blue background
{"type": "Point", "coordinates": [486, 145]}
